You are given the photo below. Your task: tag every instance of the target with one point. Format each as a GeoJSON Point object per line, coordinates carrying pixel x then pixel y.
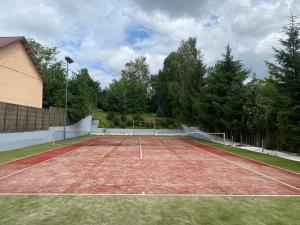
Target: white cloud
{"type": "Point", "coordinates": [94, 32]}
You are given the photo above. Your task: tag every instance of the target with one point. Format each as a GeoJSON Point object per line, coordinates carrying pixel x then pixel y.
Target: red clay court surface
{"type": "Point", "coordinates": [146, 165]}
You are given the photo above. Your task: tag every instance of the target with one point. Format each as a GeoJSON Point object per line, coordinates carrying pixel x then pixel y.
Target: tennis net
{"type": "Point", "coordinates": [169, 140]}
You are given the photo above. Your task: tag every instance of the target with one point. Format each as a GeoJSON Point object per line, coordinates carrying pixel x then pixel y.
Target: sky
{"type": "Point", "coordinates": [103, 35]}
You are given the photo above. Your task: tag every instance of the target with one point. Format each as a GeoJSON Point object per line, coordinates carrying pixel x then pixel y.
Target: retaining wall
{"type": "Point", "coordinates": [9, 141]}
{"type": "Point", "coordinates": [115, 131]}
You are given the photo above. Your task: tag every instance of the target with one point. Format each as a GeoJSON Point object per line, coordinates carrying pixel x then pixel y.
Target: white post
{"type": "Point", "coordinates": [262, 145]}
{"type": "Point", "coordinates": [224, 135]}
{"type": "Point", "coordinates": [53, 137]}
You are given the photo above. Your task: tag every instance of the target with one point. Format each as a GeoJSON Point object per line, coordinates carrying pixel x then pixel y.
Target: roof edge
{"type": "Point", "coordinates": [28, 49]}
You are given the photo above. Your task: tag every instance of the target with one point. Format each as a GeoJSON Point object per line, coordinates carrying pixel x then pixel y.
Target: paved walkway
{"type": "Point", "coordinates": [285, 155]}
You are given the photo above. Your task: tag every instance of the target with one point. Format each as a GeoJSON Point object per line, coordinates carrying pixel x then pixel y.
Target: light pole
{"type": "Point", "coordinates": [69, 61]}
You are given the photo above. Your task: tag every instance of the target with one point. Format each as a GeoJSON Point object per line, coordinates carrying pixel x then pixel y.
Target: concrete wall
{"type": "Point", "coordinates": [110, 131]}
{"type": "Point", "coordinates": [196, 133]}
{"type": "Point", "coordinates": [193, 132]}
{"type": "Point", "coordinates": [9, 141]}
{"type": "Point", "coordinates": [20, 81]}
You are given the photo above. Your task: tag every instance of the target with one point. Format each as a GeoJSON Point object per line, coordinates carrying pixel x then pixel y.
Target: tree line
{"type": "Point", "coordinates": [226, 97]}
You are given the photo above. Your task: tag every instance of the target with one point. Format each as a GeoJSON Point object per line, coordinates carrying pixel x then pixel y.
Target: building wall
{"type": "Point", "coordinates": [20, 81]}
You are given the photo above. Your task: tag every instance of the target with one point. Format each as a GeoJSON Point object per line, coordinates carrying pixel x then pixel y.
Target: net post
{"type": "Point", "coordinates": [224, 136]}
{"type": "Point", "coordinates": [53, 137]}
{"type": "Point", "coordinates": [140, 146]}
{"type": "Point", "coordinates": [133, 127]}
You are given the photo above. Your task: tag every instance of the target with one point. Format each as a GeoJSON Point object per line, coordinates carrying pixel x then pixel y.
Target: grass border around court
{"type": "Point", "coordinates": [12, 155]}
{"type": "Point", "coordinates": [275, 161]}
{"type": "Point", "coordinates": [144, 210]}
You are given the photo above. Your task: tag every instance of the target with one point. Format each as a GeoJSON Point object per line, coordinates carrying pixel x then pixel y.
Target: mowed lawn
{"type": "Point", "coordinates": [140, 210]}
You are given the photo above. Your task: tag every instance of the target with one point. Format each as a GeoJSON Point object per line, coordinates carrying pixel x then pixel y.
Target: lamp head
{"type": "Point", "coordinates": [69, 60]}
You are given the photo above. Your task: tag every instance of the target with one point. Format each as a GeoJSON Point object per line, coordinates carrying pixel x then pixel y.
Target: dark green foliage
{"type": "Point", "coordinates": [137, 117]}
{"type": "Point", "coordinates": [166, 123]}
{"type": "Point", "coordinates": [177, 87]}
{"type": "Point", "coordinates": [115, 100]}
{"type": "Point", "coordinates": [110, 116]}
{"type": "Point", "coordinates": [217, 99]}
{"type": "Point", "coordinates": [286, 72]}
{"type": "Point", "coordinates": [124, 121]}
{"type": "Point", "coordinates": [117, 121]}
{"type": "Point", "coordinates": [269, 145]}
{"type": "Point", "coordinates": [54, 72]}
{"type": "Point", "coordinates": [83, 93]}
{"type": "Point", "coordinates": [225, 96]}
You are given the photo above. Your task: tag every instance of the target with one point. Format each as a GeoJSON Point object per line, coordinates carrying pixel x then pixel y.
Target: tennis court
{"type": "Point", "coordinates": [144, 165]}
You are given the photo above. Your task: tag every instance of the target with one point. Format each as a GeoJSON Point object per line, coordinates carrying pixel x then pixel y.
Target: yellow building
{"type": "Point", "coordinates": [21, 79]}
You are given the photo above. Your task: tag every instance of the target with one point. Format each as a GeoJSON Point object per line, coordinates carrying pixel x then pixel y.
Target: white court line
{"type": "Point", "coordinates": [146, 195]}
{"type": "Point", "coordinates": [19, 171]}
{"type": "Point", "coordinates": [141, 150]}
{"type": "Point", "coordinates": [254, 171]}
{"type": "Point", "coordinates": [13, 160]}
{"type": "Point", "coordinates": [269, 165]}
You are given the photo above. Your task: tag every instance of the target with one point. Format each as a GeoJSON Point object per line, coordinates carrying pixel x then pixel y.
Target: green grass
{"type": "Point", "coordinates": [142, 210]}
{"type": "Point", "coordinates": [269, 159]}
{"type": "Point", "coordinates": [23, 152]}
{"type": "Point", "coordinates": [101, 116]}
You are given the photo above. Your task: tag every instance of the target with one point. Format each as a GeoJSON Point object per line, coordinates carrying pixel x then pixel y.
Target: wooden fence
{"type": "Point", "coordinates": [16, 118]}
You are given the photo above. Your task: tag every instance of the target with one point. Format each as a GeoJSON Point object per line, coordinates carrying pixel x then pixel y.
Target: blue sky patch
{"type": "Point", "coordinates": [213, 20]}
{"type": "Point", "coordinates": [135, 33]}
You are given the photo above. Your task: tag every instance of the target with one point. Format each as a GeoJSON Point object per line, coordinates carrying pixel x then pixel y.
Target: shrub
{"type": "Point", "coordinates": [269, 145]}
{"type": "Point", "coordinates": [110, 116]}
{"type": "Point", "coordinates": [137, 117]}
{"type": "Point", "coordinates": [123, 122]}
{"type": "Point", "coordinates": [117, 121]}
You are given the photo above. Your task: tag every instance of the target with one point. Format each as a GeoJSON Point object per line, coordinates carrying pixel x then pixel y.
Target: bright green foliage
{"type": "Point", "coordinates": [286, 72]}
{"type": "Point", "coordinates": [178, 84]}
{"type": "Point", "coordinates": [130, 93]}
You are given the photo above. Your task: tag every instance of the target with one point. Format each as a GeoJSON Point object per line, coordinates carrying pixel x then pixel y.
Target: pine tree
{"type": "Point", "coordinates": [225, 95]}
{"type": "Point", "coordinates": [286, 71]}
